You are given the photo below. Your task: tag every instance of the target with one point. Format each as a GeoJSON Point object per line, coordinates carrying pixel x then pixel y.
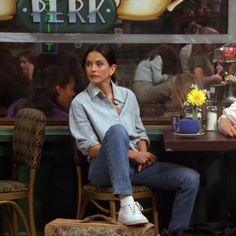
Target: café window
{"type": "Point", "coordinates": [59, 32]}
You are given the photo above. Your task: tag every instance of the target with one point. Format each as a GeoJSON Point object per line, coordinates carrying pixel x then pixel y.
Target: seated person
{"type": "Point", "coordinates": [12, 87]}
{"type": "Point", "coordinates": [105, 121]}
{"type": "Point", "coordinates": [53, 91]}
{"type": "Point", "coordinates": [200, 61]}
{"type": "Point", "coordinates": [227, 121]}
{"type": "Point", "coordinates": [185, 51]}
{"type": "Point", "coordinates": [152, 76]}
{"type": "Point", "coordinates": [27, 64]}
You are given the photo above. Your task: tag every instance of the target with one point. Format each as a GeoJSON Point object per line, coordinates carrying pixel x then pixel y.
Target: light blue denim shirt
{"type": "Point", "coordinates": [91, 115]}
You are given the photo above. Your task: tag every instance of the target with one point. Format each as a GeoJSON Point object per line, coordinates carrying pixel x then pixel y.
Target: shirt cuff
{"type": "Point", "coordinates": [221, 117]}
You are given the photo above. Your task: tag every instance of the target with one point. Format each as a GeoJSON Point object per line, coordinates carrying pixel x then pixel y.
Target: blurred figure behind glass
{"type": "Point", "coordinates": [52, 92]}
{"type": "Point", "coordinates": [153, 74]}
{"type": "Point", "coordinates": [27, 64]}
{"type": "Point", "coordinates": [197, 58]}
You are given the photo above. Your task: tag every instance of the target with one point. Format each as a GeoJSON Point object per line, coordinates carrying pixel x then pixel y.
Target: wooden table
{"type": "Point", "coordinates": [210, 141]}
{"type": "Point", "coordinates": [216, 164]}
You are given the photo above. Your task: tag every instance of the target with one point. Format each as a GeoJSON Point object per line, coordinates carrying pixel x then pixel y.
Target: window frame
{"type": "Point", "coordinates": [230, 37]}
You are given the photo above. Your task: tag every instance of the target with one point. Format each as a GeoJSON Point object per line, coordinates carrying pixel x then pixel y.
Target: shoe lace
{"type": "Point", "coordinates": [135, 208]}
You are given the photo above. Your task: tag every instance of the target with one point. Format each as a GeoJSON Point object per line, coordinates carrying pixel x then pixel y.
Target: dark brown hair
{"type": "Point", "coordinates": [107, 51]}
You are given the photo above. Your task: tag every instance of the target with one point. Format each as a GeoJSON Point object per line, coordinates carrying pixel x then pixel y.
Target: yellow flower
{"type": "Point", "coordinates": [196, 97]}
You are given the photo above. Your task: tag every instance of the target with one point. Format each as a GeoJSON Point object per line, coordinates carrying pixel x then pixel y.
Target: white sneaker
{"type": "Point", "coordinates": [131, 214]}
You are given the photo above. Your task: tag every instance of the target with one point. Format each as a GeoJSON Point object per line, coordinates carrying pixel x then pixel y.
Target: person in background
{"type": "Point", "coordinates": [153, 74]}
{"type": "Point", "coordinates": [227, 121]}
{"type": "Point", "coordinates": [22, 82]}
{"type": "Point", "coordinates": [105, 121]}
{"type": "Point", "coordinates": [180, 87]}
{"type": "Point", "coordinates": [185, 51]}
{"type": "Point", "coordinates": [27, 64]}
{"type": "Point", "coordinates": [71, 61]}
{"type": "Point", "coordinates": [53, 91]}
{"type": "Point", "coordinates": [200, 60]}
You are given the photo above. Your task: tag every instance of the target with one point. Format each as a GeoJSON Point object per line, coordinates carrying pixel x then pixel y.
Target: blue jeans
{"type": "Point", "coordinates": [112, 167]}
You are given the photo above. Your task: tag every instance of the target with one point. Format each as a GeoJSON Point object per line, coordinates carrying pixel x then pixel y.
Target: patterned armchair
{"type": "Point", "coordinates": [27, 146]}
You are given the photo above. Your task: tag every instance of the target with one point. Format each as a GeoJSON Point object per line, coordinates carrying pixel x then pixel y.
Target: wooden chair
{"type": "Point", "coordinates": [87, 192]}
{"type": "Point", "coordinates": [27, 145]}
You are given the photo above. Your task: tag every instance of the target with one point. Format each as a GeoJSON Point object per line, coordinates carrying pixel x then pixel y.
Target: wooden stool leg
{"type": "Point", "coordinates": [155, 215]}
{"type": "Point", "coordinates": [113, 209]}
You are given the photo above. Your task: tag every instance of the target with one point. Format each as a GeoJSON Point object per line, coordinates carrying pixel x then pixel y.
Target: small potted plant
{"type": "Point", "coordinates": [191, 123]}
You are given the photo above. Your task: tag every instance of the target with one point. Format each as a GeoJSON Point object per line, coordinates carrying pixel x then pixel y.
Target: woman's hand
{"type": "Point", "coordinates": [143, 158]}
{"type": "Point", "coordinates": [231, 132]}
{"type": "Point", "coordinates": [227, 128]}
{"type": "Point", "coordinates": [216, 78]}
{"type": "Point", "coordinates": [94, 150]}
